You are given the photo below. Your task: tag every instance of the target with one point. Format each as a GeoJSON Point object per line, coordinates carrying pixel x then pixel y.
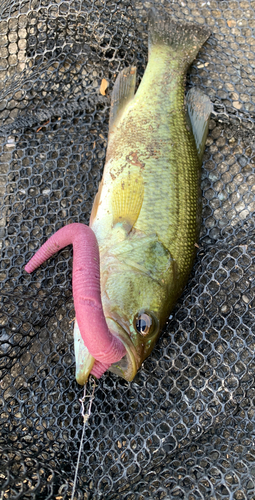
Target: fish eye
{"type": "Point", "coordinates": [144, 323]}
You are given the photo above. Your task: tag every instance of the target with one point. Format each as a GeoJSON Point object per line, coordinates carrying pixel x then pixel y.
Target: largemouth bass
{"type": "Point", "coordinates": [146, 214]}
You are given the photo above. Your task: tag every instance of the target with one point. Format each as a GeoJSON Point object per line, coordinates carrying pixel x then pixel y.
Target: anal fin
{"type": "Point", "coordinates": [95, 204]}
{"type": "Point", "coordinates": [122, 94]}
{"type": "Point", "coordinates": [199, 108]}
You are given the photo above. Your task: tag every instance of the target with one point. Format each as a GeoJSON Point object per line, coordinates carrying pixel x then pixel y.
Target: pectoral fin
{"type": "Point", "coordinates": [122, 94]}
{"type": "Point", "coordinates": [127, 200]}
{"type": "Point", "coordinates": [83, 359]}
{"type": "Point", "coordinates": [199, 108]}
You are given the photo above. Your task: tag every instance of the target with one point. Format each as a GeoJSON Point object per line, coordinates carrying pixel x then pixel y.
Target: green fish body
{"type": "Point", "coordinates": [146, 214]}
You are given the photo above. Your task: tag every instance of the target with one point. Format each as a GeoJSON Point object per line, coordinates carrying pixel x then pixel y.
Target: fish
{"type": "Point", "coordinates": [133, 261]}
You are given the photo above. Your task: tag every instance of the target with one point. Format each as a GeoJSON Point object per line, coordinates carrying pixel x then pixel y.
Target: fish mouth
{"type": "Point", "coordinates": [126, 368]}
{"type": "Point", "coordinates": [128, 365]}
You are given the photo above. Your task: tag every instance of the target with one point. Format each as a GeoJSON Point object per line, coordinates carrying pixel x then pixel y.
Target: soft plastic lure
{"type": "Point", "coordinates": [101, 344]}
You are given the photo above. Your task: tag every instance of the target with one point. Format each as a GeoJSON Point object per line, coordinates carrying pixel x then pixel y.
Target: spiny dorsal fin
{"type": "Point", "coordinates": [122, 94]}
{"type": "Point", "coordinates": [199, 109]}
{"type": "Point", "coordinates": [127, 200]}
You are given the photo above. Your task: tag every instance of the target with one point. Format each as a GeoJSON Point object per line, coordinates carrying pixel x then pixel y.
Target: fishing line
{"type": "Point", "coordinates": [85, 422]}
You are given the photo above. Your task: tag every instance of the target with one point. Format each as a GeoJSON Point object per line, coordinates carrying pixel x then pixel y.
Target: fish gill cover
{"type": "Point", "coordinates": [184, 428]}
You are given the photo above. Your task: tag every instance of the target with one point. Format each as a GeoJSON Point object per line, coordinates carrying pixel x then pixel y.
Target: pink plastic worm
{"type": "Point", "coordinates": [98, 339]}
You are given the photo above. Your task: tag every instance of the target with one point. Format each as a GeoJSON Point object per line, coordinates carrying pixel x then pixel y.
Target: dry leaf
{"type": "Point", "coordinates": [237, 104]}
{"type": "Point", "coordinates": [231, 23]}
{"type": "Point", "coordinates": [104, 85]}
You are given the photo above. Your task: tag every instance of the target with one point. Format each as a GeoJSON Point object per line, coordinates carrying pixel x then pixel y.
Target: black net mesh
{"type": "Point", "coordinates": [184, 428]}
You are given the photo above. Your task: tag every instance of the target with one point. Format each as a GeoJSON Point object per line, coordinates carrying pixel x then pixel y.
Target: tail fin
{"type": "Point", "coordinates": [185, 39]}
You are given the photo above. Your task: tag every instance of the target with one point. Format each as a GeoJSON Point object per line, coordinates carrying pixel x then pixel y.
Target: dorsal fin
{"type": "Point", "coordinates": [199, 108]}
{"type": "Point", "coordinates": [122, 94]}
